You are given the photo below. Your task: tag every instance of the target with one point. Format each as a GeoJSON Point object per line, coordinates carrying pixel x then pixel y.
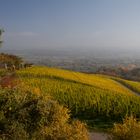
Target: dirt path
{"type": "Point", "coordinates": [98, 136]}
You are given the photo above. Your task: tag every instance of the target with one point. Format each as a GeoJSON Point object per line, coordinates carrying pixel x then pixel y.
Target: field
{"type": "Point", "coordinates": [87, 96]}
{"type": "Point", "coordinates": [133, 85]}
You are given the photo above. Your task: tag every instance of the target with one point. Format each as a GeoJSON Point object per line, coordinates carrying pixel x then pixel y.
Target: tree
{"type": "Point", "coordinates": [1, 31]}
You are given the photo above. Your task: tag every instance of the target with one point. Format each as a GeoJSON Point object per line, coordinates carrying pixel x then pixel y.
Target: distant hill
{"type": "Point", "coordinates": [131, 72]}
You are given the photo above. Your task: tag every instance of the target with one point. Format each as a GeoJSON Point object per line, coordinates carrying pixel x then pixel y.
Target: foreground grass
{"type": "Point", "coordinates": [127, 130]}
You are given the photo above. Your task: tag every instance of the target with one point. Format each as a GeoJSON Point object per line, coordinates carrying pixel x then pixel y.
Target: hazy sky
{"type": "Point", "coordinates": [81, 24]}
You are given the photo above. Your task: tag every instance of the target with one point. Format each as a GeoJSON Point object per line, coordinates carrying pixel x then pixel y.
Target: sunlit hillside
{"type": "Point", "coordinates": [95, 80]}
{"type": "Point", "coordinates": [133, 85]}
{"type": "Point", "coordinates": [87, 96]}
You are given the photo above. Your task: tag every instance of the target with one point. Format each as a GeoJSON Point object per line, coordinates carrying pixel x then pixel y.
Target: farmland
{"type": "Point", "coordinates": [87, 96]}
{"type": "Point", "coordinates": [133, 85]}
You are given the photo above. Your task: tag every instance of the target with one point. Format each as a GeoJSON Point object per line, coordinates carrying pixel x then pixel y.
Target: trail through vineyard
{"type": "Point", "coordinates": [98, 136]}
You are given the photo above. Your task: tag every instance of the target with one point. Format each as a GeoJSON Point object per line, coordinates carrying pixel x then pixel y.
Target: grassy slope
{"type": "Point", "coordinates": [133, 85]}
{"type": "Point", "coordinates": [98, 81]}
{"type": "Point", "coordinates": [87, 96]}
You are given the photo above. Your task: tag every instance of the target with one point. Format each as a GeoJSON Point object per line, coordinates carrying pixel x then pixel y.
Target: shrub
{"type": "Point", "coordinates": [128, 130]}
{"type": "Point", "coordinates": [28, 116]}
{"type": "Point", "coordinates": [9, 60]}
{"type": "Point", "coordinates": [3, 72]}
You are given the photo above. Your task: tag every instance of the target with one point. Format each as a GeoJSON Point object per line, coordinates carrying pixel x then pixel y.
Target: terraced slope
{"type": "Point", "coordinates": [87, 96]}
{"type": "Point", "coordinates": [132, 85]}
{"type": "Point", "coordinates": [98, 81]}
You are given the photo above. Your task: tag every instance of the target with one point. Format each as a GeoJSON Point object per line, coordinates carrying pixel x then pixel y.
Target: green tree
{"type": "Point", "coordinates": [1, 31]}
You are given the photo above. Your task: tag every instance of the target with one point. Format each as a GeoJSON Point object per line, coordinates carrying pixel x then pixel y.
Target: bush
{"type": "Point", "coordinates": [128, 130]}
{"type": "Point", "coordinates": [28, 116]}
{"type": "Point", "coordinates": [9, 60]}
{"type": "Point", "coordinates": [3, 72]}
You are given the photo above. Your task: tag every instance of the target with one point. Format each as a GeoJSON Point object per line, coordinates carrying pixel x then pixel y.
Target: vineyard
{"type": "Point", "coordinates": [134, 86]}
{"type": "Point", "coordinates": [87, 96]}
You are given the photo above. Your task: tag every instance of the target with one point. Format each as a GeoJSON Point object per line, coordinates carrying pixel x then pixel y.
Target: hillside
{"type": "Point", "coordinates": [25, 115]}
{"type": "Point", "coordinates": [88, 96]}
{"type": "Point", "coordinates": [95, 99]}
{"type": "Point", "coordinates": [93, 80]}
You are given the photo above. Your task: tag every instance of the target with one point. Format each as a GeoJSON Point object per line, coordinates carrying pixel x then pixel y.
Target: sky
{"type": "Point", "coordinates": [66, 24]}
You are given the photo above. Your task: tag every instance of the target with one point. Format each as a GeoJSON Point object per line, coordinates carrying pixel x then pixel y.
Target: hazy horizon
{"type": "Point", "coordinates": [87, 25]}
